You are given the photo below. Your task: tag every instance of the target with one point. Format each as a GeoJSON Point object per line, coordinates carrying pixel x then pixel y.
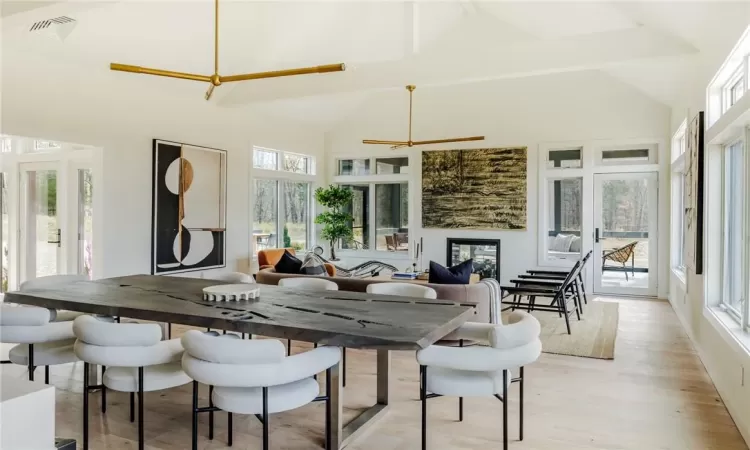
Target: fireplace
{"type": "Point", "coordinates": [484, 252]}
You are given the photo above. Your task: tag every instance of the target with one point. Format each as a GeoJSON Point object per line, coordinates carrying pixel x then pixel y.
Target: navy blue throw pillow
{"type": "Point", "coordinates": [458, 274]}
{"type": "Point", "coordinates": [288, 264]}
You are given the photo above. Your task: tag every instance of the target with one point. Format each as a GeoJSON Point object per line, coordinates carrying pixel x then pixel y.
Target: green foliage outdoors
{"type": "Point", "coordinates": [287, 238]}
{"type": "Point", "coordinates": [336, 221]}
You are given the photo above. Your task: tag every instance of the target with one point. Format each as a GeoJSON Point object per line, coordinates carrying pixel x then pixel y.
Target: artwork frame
{"type": "Point", "coordinates": [482, 189]}
{"type": "Point", "coordinates": [188, 207]}
{"type": "Point", "coordinates": [453, 255]}
{"type": "Point", "coordinates": [694, 192]}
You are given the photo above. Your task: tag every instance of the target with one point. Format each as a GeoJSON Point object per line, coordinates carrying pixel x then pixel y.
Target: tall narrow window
{"type": "Point", "coordinates": [391, 216]}
{"type": "Point", "coordinates": [565, 216]}
{"type": "Point", "coordinates": [359, 210]}
{"type": "Point", "coordinates": [265, 215]}
{"type": "Point", "coordinates": [296, 214]}
{"type": "Point", "coordinates": [732, 292]}
{"type": "Point", "coordinates": [4, 233]}
{"type": "Point", "coordinates": [85, 222]}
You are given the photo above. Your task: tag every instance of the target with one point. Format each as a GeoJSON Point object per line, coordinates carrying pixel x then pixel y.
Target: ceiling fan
{"type": "Point", "coordinates": [216, 79]}
{"type": "Point", "coordinates": [409, 142]}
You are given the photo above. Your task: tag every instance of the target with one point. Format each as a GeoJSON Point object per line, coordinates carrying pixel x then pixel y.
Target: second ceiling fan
{"type": "Point", "coordinates": [409, 142]}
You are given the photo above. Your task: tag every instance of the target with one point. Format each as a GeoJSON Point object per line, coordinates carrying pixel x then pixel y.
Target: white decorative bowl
{"type": "Point", "coordinates": [231, 292]}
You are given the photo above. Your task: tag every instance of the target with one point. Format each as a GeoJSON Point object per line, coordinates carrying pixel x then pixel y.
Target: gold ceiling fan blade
{"type": "Point", "coordinates": [210, 91]}
{"type": "Point", "coordinates": [444, 141]}
{"type": "Point", "coordinates": [396, 147]}
{"type": "Point", "coordinates": [159, 72]}
{"type": "Point", "coordinates": [375, 141]}
{"type": "Point", "coordinates": [285, 73]}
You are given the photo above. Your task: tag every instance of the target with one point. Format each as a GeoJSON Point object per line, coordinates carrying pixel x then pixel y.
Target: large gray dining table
{"type": "Point", "coordinates": [337, 318]}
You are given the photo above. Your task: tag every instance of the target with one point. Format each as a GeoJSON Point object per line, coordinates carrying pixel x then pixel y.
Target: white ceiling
{"type": "Point", "coordinates": [658, 47]}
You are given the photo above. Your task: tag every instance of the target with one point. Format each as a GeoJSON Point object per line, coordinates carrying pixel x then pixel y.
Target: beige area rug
{"type": "Point", "coordinates": [593, 337]}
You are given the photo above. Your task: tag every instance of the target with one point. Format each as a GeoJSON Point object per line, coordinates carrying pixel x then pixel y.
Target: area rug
{"type": "Point", "coordinates": [592, 337]}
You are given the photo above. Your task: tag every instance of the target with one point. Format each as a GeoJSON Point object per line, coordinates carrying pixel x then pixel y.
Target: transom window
{"type": "Point", "coordinates": [269, 159]}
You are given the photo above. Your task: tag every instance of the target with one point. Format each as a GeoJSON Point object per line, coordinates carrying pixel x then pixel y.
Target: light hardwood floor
{"type": "Point", "coordinates": [655, 395]}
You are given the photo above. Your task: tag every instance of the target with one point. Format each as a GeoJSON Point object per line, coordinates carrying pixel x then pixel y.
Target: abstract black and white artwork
{"type": "Point", "coordinates": [188, 208]}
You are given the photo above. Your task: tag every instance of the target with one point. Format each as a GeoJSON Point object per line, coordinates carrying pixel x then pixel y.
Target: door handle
{"type": "Point", "coordinates": [58, 241]}
{"type": "Point", "coordinates": [596, 235]}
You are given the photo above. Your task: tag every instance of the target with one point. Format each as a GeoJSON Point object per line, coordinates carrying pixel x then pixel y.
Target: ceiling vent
{"type": "Point", "coordinates": [61, 26]}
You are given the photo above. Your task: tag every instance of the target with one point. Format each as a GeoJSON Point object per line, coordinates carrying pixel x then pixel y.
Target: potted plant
{"type": "Point", "coordinates": [336, 222]}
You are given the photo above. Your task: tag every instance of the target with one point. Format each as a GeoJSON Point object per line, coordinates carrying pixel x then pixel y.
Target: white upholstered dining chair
{"type": "Point", "coordinates": [480, 371]}
{"type": "Point", "coordinates": [42, 339]}
{"type": "Point", "coordinates": [50, 280]}
{"type": "Point", "coordinates": [403, 289]}
{"type": "Point", "coordinates": [136, 361]}
{"type": "Point", "coordinates": [232, 277]}
{"type": "Point", "coordinates": [255, 377]}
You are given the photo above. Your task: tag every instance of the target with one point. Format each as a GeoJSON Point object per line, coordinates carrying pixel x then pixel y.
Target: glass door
{"type": "Point", "coordinates": [4, 234]}
{"type": "Point", "coordinates": [625, 233]}
{"type": "Point", "coordinates": [41, 233]}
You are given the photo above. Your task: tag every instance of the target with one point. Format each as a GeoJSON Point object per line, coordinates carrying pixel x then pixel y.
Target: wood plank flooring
{"type": "Point", "coordinates": [655, 395]}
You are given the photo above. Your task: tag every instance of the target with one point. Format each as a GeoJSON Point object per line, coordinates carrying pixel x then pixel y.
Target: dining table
{"type": "Point", "coordinates": [382, 323]}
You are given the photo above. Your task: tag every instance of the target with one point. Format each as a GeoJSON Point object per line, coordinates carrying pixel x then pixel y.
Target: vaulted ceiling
{"type": "Point", "coordinates": [661, 48]}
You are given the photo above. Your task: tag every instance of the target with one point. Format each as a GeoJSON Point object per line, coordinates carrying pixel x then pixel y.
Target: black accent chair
{"type": "Point", "coordinates": [561, 274]}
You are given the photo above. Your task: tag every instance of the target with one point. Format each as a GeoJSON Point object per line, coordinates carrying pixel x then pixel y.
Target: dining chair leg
{"type": "Point", "coordinates": [229, 429]}
{"type": "Point", "coordinates": [505, 410]}
{"type": "Point", "coordinates": [211, 413]}
{"type": "Point", "coordinates": [563, 303]}
{"type": "Point", "coordinates": [329, 410]}
{"type": "Point", "coordinates": [343, 367]}
{"type": "Point", "coordinates": [423, 396]}
{"type": "Point", "coordinates": [169, 331]}
{"type": "Point", "coordinates": [132, 407]}
{"type": "Point", "coordinates": [265, 418]}
{"type": "Point", "coordinates": [104, 392]}
{"type": "Point", "coordinates": [288, 347]}
{"type": "Point", "coordinates": [85, 405]}
{"type": "Point", "coordinates": [520, 403]}
{"type": "Point", "coordinates": [460, 399]}
{"type": "Point", "coordinates": [46, 374]}
{"type": "Point", "coordinates": [30, 361]}
{"type": "Point", "coordinates": [195, 415]}
{"type": "Point", "coordinates": [141, 443]}
{"type": "Point", "coordinates": [583, 288]}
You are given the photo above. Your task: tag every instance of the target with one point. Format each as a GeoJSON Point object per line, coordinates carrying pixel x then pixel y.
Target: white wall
{"type": "Point", "coordinates": [582, 106]}
{"type": "Point", "coordinates": [122, 114]}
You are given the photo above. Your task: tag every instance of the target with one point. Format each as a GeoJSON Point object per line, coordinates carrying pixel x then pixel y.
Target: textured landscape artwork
{"type": "Point", "coordinates": [474, 189]}
{"type": "Point", "coordinates": [189, 208]}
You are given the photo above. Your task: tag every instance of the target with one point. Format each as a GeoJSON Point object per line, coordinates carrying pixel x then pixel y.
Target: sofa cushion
{"type": "Point", "coordinates": [575, 245]}
{"type": "Point", "coordinates": [458, 274]}
{"type": "Point", "coordinates": [288, 264]}
{"type": "Point", "coordinates": [312, 266]}
{"type": "Point", "coordinates": [561, 243]}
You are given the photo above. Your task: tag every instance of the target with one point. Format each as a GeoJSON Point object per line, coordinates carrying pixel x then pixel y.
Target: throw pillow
{"type": "Point", "coordinates": [458, 274]}
{"type": "Point", "coordinates": [312, 266]}
{"type": "Point", "coordinates": [575, 245]}
{"type": "Point", "coordinates": [562, 243]}
{"type": "Point", "coordinates": [288, 263]}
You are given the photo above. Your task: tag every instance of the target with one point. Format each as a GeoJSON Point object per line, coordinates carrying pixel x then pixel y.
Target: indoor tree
{"type": "Point", "coordinates": [337, 223]}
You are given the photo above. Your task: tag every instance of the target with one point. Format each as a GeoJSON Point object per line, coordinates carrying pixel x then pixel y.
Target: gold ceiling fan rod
{"type": "Point", "coordinates": [410, 143]}
{"type": "Point", "coordinates": [216, 79]}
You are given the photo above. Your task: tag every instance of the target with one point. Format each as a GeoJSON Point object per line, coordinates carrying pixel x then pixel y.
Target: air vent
{"type": "Point", "coordinates": [44, 24]}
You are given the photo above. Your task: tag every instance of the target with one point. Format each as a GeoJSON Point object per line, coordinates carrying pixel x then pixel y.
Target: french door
{"type": "Point", "coordinates": [625, 233]}
{"type": "Point", "coordinates": [55, 215]}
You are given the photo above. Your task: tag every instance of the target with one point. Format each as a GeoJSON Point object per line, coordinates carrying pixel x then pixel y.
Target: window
{"type": "Point", "coordinates": [392, 165]}
{"type": "Point", "coordinates": [85, 222]}
{"type": "Point", "coordinates": [359, 210]}
{"type": "Point", "coordinates": [564, 159]}
{"type": "Point", "coordinates": [354, 167]}
{"type": "Point", "coordinates": [733, 290]}
{"type": "Point", "coordinates": [4, 233]}
{"type": "Point", "coordinates": [392, 217]}
{"type": "Point", "coordinates": [734, 89]}
{"type": "Point", "coordinates": [678, 200]}
{"type": "Point", "coordinates": [43, 146]}
{"type": "Point", "coordinates": [6, 146]}
{"type": "Point", "coordinates": [565, 215]}
{"type": "Point", "coordinates": [630, 156]}
{"type": "Point", "coordinates": [285, 199]}
{"type": "Point", "coordinates": [268, 159]}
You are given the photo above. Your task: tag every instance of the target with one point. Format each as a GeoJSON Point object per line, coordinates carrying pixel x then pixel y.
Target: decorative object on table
{"type": "Point", "coordinates": [288, 263]}
{"type": "Point", "coordinates": [424, 276]}
{"type": "Point", "coordinates": [312, 266]}
{"type": "Point", "coordinates": [216, 80]}
{"type": "Point", "coordinates": [336, 221]}
{"type": "Point", "coordinates": [404, 275]}
{"type": "Point", "coordinates": [231, 292]}
{"type": "Point", "coordinates": [409, 142]}
{"type": "Point", "coordinates": [458, 274]}
{"type": "Point", "coordinates": [474, 189]}
{"type": "Point", "coordinates": [484, 252]}
{"type": "Point", "coordinates": [364, 270]}
{"type": "Point", "coordinates": [188, 208]}
{"type": "Point", "coordinates": [694, 179]}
